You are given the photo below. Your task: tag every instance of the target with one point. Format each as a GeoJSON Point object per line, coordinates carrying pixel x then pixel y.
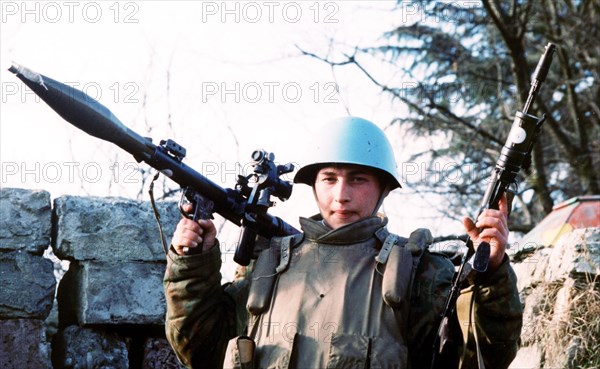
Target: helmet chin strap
{"type": "Point", "coordinates": [382, 197]}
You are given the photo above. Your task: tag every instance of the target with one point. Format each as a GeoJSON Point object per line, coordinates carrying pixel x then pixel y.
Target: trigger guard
{"type": "Point", "coordinates": [203, 207]}
{"type": "Point", "coordinates": [182, 201]}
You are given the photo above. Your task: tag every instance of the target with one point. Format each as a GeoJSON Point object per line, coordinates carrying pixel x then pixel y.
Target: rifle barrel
{"type": "Point", "coordinates": [539, 75]}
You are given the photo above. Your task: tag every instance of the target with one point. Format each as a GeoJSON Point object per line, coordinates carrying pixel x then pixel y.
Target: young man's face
{"type": "Point", "coordinates": [346, 194]}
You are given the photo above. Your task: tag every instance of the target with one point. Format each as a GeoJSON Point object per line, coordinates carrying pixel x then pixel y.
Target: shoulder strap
{"type": "Point", "coordinates": [419, 241]}
{"type": "Point", "coordinates": [465, 311]}
{"type": "Point", "coordinates": [286, 245]}
{"type": "Point", "coordinates": [401, 260]}
{"type": "Point", "coordinates": [388, 243]}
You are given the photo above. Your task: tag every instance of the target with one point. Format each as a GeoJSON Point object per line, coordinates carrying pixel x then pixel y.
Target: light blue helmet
{"type": "Point", "coordinates": [350, 140]}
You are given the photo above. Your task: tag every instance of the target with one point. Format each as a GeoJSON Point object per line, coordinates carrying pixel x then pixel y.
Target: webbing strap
{"type": "Point", "coordinates": [480, 362]}
{"type": "Point", "coordinates": [286, 253]}
{"type": "Point", "coordinates": [386, 249]}
{"type": "Point", "coordinates": [157, 215]}
{"type": "Point", "coordinates": [465, 310]}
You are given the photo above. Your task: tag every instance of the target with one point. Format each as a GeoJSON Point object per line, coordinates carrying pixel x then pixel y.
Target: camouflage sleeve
{"type": "Point", "coordinates": [498, 317]}
{"type": "Point", "coordinates": [201, 316]}
{"type": "Point", "coordinates": [497, 310]}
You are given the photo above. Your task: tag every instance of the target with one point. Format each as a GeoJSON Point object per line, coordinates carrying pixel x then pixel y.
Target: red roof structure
{"type": "Point", "coordinates": [578, 212]}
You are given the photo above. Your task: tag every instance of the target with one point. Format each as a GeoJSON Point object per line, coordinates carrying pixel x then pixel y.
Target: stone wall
{"type": "Point", "coordinates": [111, 305]}
{"type": "Point", "coordinates": [560, 289]}
{"type": "Point", "coordinates": [110, 302]}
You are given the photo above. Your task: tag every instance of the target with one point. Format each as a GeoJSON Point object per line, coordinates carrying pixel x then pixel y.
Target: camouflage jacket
{"type": "Point", "coordinates": [327, 308]}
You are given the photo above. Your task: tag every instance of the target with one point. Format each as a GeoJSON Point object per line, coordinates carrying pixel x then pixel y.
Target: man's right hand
{"type": "Point", "coordinates": [191, 235]}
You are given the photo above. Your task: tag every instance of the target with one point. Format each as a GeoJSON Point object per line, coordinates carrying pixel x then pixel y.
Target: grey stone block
{"type": "Point", "coordinates": [108, 229]}
{"type": "Point", "coordinates": [28, 285]}
{"type": "Point", "coordinates": [76, 347]}
{"type": "Point", "coordinates": [112, 293]}
{"type": "Point", "coordinates": [24, 344]}
{"type": "Point", "coordinates": [575, 253]}
{"type": "Point", "coordinates": [25, 216]}
{"type": "Point", "coordinates": [531, 270]}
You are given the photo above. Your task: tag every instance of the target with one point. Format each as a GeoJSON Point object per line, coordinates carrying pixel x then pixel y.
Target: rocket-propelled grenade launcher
{"type": "Point", "coordinates": [246, 205]}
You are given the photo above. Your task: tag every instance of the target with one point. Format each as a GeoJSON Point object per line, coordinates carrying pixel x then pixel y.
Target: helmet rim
{"type": "Point", "coordinates": [351, 141]}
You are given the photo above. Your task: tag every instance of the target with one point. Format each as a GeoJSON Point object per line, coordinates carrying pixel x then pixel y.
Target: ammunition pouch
{"type": "Point", "coordinates": [269, 264]}
{"type": "Point", "coordinates": [240, 353]}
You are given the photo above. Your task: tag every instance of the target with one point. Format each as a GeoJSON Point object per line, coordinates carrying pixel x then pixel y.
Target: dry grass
{"type": "Point", "coordinates": [569, 333]}
{"type": "Point", "coordinates": [537, 331]}
{"type": "Point", "coordinates": [584, 324]}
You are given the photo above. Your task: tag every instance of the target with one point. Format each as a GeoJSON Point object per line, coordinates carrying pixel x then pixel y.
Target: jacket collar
{"type": "Point", "coordinates": [315, 230]}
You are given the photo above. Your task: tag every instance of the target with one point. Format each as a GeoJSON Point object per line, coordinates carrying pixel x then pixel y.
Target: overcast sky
{"type": "Point", "coordinates": [220, 78]}
{"type": "Point", "coordinates": [211, 75]}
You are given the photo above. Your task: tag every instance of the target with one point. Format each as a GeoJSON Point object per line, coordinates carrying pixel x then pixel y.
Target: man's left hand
{"type": "Point", "coordinates": [492, 227]}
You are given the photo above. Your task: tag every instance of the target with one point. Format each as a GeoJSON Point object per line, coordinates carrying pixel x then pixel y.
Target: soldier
{"type": "Point", "coordinates": [345, 293]}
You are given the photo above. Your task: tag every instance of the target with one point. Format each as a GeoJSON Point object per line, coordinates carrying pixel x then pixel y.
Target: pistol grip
{"type": "Point", "coordinates": [203, 208]}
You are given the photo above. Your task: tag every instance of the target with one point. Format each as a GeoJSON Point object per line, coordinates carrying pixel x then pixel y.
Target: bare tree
{"type": "Point", "coordinates": [466, 70]}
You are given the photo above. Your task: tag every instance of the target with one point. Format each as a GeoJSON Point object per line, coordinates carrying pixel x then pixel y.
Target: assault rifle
{"type": "Point", "coordinates": [246, 205]}
{"type": "Point", "coordinates": [515, 154]}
